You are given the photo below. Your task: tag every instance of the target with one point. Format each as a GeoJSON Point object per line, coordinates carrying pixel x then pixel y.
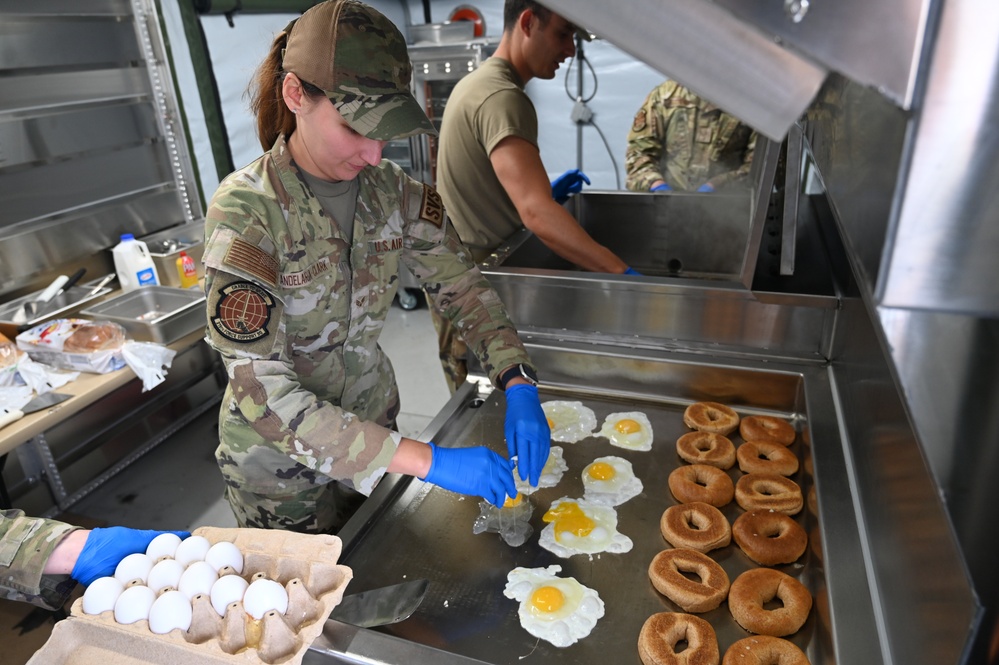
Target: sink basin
{"type": "Point", "coordinates": [160, 314]}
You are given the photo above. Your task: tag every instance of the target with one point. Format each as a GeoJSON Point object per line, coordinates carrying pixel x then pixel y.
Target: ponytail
{"type": "Point", "coordinates": [266, 100]}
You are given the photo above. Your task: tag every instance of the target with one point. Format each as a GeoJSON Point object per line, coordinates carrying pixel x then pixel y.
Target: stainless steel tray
{"type": "Point", "coordinates": [410, 529]}
{"type": "Point", "coordinates": [153, 313]}
{"type": "Point", "coordinates": [62, 306]}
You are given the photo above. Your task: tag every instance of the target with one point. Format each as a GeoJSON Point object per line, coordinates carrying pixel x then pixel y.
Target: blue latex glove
{"type": "Point", "coordinates": [706, 187]}
{"type": "Point", "coordinates": [632, 271]}
{"type": "Point", "coordinates": [661, 187]}
{"type": "Point", "coordinates": [105, 548]}
{"type": "Point", "coordinates": [478, 471]}
{"type": "Point", "coordinates": [528, 436]}
{"type": "Point", "coordinates": [570, 182]}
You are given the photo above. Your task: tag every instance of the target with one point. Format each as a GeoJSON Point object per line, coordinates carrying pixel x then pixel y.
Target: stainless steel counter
{"type": "Point", "coordinates": [410, 530]}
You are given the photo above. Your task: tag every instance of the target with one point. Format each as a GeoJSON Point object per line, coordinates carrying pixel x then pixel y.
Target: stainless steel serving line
{"type": "Point", "coordinates": [412, 530]}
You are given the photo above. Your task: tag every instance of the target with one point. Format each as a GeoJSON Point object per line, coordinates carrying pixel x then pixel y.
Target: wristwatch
{"type": "Point", "coordinates": [518, 371]}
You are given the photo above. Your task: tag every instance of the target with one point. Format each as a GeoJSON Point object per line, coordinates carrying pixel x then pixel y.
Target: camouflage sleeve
{"type": "Point", "coordinates": [26, 543]}
{"type": "Point", "coordinates": [741, 173]}
{"type": "Point", "coordinates": [646, 141]}
{"type": "Point", "coordinates": [455, 286]}
{"type": "Point", "coordinates": [265, 387]}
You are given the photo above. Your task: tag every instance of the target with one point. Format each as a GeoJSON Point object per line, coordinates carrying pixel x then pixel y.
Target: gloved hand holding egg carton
{"type": "Point", "coordinates": [95, 346]}
{"type": "Point", "coordinates": [221, 591]}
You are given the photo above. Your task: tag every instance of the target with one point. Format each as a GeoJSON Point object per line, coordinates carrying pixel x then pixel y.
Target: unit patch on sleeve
{"type": "Point", "coordinates": [243, 312]}
{"type": "Point", "coordinates": [432, 209]}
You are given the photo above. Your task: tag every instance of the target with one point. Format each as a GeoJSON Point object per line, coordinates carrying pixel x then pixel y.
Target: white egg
{"type": "Point", "coordinates": [228, 589]}
{"type": "Point", "coordinates": [610, 481]}
{"type": "Point", "coordinates": [559, 610]}
{"type": "Point", "coordinates": [198, 578]}
{"type": "Point", "coordinates": [133, 604]}
{"type": "Point", "coordinates": [101, 595]}
{"type": "Point", "coordinates": [165, 574]}
{"type": "Point", "coordinates": [192, 549]}
{"type": "Point", "coordinates": [569, 421]}
{"type": "Point", "coordinates": [224, 554]}
{"type": "Point", "coordinates": [163, 545]}
{"type": "Point", "coordinates": [630, 429]}
{"type": "Point", "coordinates": [171, 610]}
{"type": "Point", "coordinates": [551, 473]}
{"type": "Point", "coordinates": [577, 526]}
{"type": "Point", "coordinates": [133, 567]}
{"type": "Point", "coordinates": [264, 595]}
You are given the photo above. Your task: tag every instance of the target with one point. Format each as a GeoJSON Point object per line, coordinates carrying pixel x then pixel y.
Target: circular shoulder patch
{"type": "Point", "coordinates": [243, 312]}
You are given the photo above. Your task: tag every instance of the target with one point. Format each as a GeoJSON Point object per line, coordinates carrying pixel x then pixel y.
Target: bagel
{"type": "Point", "coordinates": [754, 588]}
{"type": "Point", "coordinates": [769, 538]}
{"type": "Point", "coordinates": [711, 417]}
{"type": "Point", "coordinates": [667, 574]}
{"type": "Point", "coordinates": [700, 482]}
{"type": "Point", "coordinates": [766, 457]}
{"type": "Point", "coordinates": [706, 448]}
{"type": "Point", "coordinates": [661, 632]}
{"type": "Point", "coordinates": [768, 491]}
{"type": "Point", "coordinates": [696, 526]}
{"type": "Point", "coordinates": [764, 650]}
{"type": "Point", "coordinates": [768, 428]}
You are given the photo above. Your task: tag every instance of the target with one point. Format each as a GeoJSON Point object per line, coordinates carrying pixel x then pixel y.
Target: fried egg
{"type": "Point", "coordinates": [569, 421]}
{"type": "Point", "coordinates": [578, 526]}
{"type": "Point", "coordinates": [559, 610]}
{"type": "Point", "coordinates": [610, 481]}
{"type": "Point", "coordinates": [630, 429]}
{"type": "Point", "coordinates": [551, 473]}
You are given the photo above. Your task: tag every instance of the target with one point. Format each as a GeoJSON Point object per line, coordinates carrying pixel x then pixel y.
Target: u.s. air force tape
{"type": "Point", "coordinates": [243, 312]}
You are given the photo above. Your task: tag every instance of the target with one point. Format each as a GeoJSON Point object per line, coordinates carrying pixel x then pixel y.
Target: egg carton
{"type": "Point", "coordinates": [305, 564]}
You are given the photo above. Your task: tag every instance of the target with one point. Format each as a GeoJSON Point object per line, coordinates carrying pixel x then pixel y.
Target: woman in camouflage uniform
{"type": "Point", "coordinates": [302, 255]}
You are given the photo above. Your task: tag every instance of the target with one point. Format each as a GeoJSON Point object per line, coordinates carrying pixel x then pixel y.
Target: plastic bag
{"type": "Point", "coordinates": [149, 361]}
{"type": "Point", "coordinates": [76, 344]}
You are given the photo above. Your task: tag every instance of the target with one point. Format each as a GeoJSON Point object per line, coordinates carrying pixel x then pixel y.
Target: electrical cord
{"type": "Point", "coordinates": [581, 114]}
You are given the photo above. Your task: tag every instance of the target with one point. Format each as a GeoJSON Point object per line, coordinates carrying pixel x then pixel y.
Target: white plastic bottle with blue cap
{"type": "Point", "coordinates": [133, 263]}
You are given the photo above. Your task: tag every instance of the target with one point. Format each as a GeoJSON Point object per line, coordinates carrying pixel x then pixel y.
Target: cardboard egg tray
{"type": "Point", "coordinates": [305, 564]}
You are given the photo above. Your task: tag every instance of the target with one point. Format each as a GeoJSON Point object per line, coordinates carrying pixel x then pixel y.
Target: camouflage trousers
{"type": "Point", "coordinates": [320, 509]}
{"type": "Point", "coordinates": [452, 350]}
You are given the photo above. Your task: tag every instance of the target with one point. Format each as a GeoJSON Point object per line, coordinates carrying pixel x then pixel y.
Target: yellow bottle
{"type": "Point", "coordinates": [187, 271]}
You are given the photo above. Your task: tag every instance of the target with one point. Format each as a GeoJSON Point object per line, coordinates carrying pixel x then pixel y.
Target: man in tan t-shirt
{"type": "Point", "coordinates": [489, 168]}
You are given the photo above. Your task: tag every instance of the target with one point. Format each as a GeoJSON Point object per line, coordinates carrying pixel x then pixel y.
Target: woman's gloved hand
{"type": "Point", "coordinates": [706, 187]}
{"type": "Point", "coordinates": [570, 182]}
{"type": "Point", "coordinates": [478, 471]}
{"type": "Point", "coordinates": [631, 271]}
{"type": "Point", "coordinates": [528, 436]}
{"type": "Point", "coordinates": [105, 548]}
{"type": "Point", "coordinates": [661, 187]}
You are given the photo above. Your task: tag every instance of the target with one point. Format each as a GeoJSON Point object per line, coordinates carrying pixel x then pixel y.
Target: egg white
{"type": "Point", "coordinates": [570, 421]}
{"type": "Point", "coordinates": [566, 625]}
{"type": "Point", "coordinates": [551, 473]}
{"type": "Point", "coordinates": [603, 538]}
{"type": "Point", "coordinates": [614, 491]}
{"type": "Point", "coordinates": [640, 440]}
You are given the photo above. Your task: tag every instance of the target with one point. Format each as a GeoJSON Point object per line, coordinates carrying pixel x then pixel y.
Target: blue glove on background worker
{"type": "Point", "coordinates": [570, 182]}
{"type": "Point", "coordinates": [706, 187]}
{"type": "Point", "coordinates": [477, 471]}
{"type": "Point", "coordinates": [661, 187]}
{"type": "Point", "coordinates": [528, 437]}
{"type": "Point", "coordinates": [105, 548]}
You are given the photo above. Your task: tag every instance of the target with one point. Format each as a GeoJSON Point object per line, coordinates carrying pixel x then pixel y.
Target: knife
{"type": "Point", "coordinates": [382, 606]}
{"type": "Point", "coordinates": [39, 403]}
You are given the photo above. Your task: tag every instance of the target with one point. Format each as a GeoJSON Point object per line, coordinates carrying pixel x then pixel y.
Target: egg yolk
{"type": "Point", "coordinates": [547, 599]}
{"type": "Point", "coordinates": [601, 471]}
{"type": "Point", "coordinates": [627, 426]}
{"type": "Point", "coordinates": [512, 501]}
{"type": "Point", "coordinates": [551, 425]}
{"type": "Point", "coordinates": [568, 516]}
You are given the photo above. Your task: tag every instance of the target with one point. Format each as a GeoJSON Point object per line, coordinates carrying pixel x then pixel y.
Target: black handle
{"type": "Point", "coordinates": [73, 279]}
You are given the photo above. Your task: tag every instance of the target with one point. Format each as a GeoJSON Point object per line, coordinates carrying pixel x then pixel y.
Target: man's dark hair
{"type": "Point", "coordinates": [514, 8]}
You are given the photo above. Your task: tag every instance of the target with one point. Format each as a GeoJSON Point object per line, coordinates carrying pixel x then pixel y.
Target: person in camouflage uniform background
{"type": "Point", "coordinates": [299, 283]}
{"type": "Point", "coordinates": [686, 143]}
{"type": "Point", "coordinates": [41, 560]}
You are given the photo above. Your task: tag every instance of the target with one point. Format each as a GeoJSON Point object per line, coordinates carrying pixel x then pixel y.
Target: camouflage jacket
{"type": "Point", "coordinates": [296, 314]}
{"type": "Point", "coordinates": [686, 141]}
{"type": "Point", "coordinates": [26, 543]}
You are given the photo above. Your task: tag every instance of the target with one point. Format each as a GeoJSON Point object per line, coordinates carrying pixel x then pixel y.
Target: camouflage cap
{"type": "Point", "coordinates": [359, 59]}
